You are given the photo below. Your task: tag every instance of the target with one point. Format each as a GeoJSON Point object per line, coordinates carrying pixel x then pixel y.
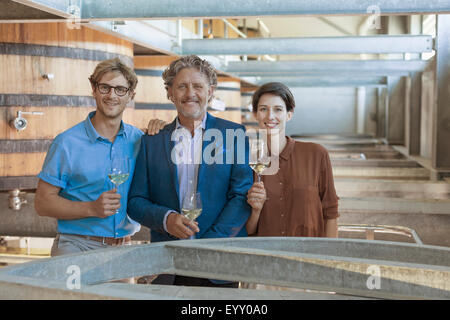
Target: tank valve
{"type": "Point", "coordinates": [48, 76]}
{"type": "Point", "coordinates": [20, 123]}
{"type": "Point", "coordinates": [16, 199]}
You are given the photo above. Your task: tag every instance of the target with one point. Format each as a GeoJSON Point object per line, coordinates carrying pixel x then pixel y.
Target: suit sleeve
{"type": "Point", "coordinates": [232, 219]}
{"type": "Point", "coordinates": [140, 207]}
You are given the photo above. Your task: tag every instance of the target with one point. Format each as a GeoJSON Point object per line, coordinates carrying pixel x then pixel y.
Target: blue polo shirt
{"type": "Point", "coordinates": [78, 162]}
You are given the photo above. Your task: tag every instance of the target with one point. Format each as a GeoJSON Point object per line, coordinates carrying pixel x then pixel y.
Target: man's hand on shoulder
{"type": "Point", "coordinates": [154, 126]}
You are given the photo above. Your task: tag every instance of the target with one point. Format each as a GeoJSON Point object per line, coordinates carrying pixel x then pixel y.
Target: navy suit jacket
{"type": "Point", "coordinates": [223, 186]}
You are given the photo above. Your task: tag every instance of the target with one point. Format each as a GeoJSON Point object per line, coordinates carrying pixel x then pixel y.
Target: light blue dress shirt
{"type": "Point", "coordinates": [78, 162]}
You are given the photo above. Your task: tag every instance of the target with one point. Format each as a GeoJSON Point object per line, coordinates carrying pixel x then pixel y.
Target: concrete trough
{"type": "Point", "coordinates": [331, 141]}
{"type": "Point", "coordinates": [428, 218]}
{"type": "Point", "coordinates": [358, 188]}
{"type": "Point", "coordinates": [375, 163]}
{"type": "Point", "coordinates": [432, 229]}
{"type": "Point", "coordinates": [384, 173]}
{"type": "Point", "coordinates": [372, 269]}
{"type": "Point", "coordinates": [365, 154]}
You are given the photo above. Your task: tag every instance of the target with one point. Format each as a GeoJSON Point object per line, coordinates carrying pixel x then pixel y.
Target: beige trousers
{"type": "Point", "coordinates": [69, 243]}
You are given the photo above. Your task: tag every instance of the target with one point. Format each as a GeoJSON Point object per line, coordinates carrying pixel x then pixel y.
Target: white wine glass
{"type": "Point", "coordinates": [192, 205]}
{"type": "Point", "coordinates": [259, 156]}
{"type": "Point", "coordinates": [119, 172]}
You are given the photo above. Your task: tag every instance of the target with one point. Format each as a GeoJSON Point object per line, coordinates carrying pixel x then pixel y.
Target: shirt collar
{"type": "Point", "coordinates": [93, 134]}
{"type": "Point", "coordinates": [288, 148]}
{"type": "Point", "coordinates": [203, 125]}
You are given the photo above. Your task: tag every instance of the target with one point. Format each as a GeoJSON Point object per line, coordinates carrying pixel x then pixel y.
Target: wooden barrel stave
{"type": "Point", "coordinates": [27, 51]}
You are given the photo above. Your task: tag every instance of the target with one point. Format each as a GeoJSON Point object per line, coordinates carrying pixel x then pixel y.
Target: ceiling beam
{"type": "Point", "coordinates": [61, 8]}
{"type": "Point", "coordinates": [325, 67]}
{"type": "Point", "coordinates": [336, 26]}
{"type": "Point", "coordinates": [141, 33]}
{"type": "Point", "coordinates": [175, 9]}
{"type": "Point", "coordinates": [310, 45]}
{"type": "Point", "coordinates": [156, 9]}
{"type": "Point", "coordinates": [325, 81]}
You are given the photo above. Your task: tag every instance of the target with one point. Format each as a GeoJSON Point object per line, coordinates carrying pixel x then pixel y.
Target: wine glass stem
{"type": "Point", "coordinates": [116, 186]}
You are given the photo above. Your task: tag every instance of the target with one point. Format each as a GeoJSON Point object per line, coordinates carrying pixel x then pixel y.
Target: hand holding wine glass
{"type": "Point", "coordinates": [256, 196]}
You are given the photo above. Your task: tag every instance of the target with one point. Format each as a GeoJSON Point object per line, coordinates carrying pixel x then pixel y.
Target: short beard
{"type": "Point", "coordinates": [199, 113]}
{"type": "Point", "coordinates": [109, 115]}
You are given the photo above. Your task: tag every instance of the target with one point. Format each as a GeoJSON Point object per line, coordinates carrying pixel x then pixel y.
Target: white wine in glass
{"type": "Point", "coordinates": [191, 214]}
{"type": "Point", "coordinates": [259, 167]}
{"type": "Point", "coordinates": [259, 156]}
{"type": "Point", "coordinates": [119, 172]}
{"type": "Point", "coordinates": [118, 179]}
{"type": "Point", "coordinates": [192, 206]}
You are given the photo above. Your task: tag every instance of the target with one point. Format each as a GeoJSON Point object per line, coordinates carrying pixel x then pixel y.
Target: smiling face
{"type": "Point", "coordinates": [111, 105]}
{"type": "Point", "coordinates": [272, 114]}
{"type": "Point", "coordinates": [190, 93]}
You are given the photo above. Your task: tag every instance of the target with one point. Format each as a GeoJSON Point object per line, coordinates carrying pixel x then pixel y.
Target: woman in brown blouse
{"type": "Point", "coordinates": [300, 199]}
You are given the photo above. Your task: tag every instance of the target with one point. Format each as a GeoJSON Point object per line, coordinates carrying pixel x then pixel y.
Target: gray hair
{"type": "Point", "coordinates": [191, 61]}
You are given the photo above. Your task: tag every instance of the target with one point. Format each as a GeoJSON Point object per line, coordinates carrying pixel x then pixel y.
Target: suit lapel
{"type": "Point", "coordinates": [210, 121]}
{"type": "Point", "coordinates": [169, 145]}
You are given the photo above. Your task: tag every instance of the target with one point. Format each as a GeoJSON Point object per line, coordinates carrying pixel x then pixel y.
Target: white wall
{"type": "Point", "coordinates": [323, 111]}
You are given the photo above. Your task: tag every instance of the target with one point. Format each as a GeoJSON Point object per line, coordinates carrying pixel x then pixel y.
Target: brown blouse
{"type": "Point", "coordinates": [301, 195]}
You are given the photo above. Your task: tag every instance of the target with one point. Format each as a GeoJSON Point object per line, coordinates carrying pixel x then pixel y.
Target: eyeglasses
{"type": "Point", "coordinates": [104, 88]}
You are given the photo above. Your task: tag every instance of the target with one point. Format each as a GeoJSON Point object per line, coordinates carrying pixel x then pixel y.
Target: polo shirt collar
{"type": "Point", "coordinates": [93, 134]}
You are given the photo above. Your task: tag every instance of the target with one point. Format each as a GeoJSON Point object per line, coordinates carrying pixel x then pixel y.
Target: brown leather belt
{"type": "Point", "coordinates": [107, 240]}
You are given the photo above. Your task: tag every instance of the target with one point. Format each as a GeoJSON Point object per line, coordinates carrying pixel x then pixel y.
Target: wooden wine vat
{"type": "Point", "coordinates": [248, 119]}
{"type": "Point", "coordinates": [229, 91]}
{"type": "Point", "coordinates": [151, 98]}
{"type": "Point", "coordinates": [45, 70]}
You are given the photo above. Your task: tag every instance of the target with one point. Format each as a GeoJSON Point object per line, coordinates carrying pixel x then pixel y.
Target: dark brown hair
{"type": "Point", "coordinates": [277, 89]}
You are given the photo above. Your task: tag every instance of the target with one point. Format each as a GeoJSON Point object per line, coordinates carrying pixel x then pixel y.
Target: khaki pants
{"type": "Point", "coordinates": [69, 243]}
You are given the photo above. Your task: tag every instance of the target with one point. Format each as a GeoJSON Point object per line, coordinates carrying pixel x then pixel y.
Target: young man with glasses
{"type": "Point", "coordinates": [74, 186]}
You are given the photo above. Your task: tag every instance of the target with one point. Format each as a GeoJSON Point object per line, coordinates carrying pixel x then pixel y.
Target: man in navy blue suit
{"type": "Point", "coordinates": [196, 153]}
